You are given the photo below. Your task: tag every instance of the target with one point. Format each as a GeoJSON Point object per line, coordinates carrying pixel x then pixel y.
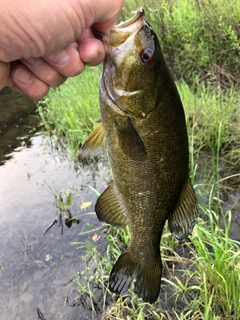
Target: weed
{"type": "Point", "coordinates": [202, 284]}
{"type": "Point", "coordinates": [70, 112]}
{"type": "Point", "coordinates": [200, 40]}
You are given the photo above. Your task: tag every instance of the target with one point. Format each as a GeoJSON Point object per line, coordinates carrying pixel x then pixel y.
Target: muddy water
{"type": "Point", "coordinates": [37, 270]}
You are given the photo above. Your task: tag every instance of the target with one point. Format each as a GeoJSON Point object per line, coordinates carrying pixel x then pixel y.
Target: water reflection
{"type": "Point", "coordinates": [35, 268]}
{"type": "Point", "coordinates": [17, 120]}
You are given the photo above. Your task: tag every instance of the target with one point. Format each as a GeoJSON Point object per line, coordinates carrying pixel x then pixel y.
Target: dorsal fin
{"type": "Point", "coordinates": [184, 217]}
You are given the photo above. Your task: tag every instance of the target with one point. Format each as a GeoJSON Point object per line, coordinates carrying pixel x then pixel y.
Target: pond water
{"type": "Point", "coordinates": [36, 271]}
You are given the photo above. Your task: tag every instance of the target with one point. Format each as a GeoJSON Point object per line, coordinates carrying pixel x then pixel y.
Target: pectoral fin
{"type": "Point", "coordinates": [109, 209]}
{"type": "Point", "coordinates": [129, 140]}
{"type": "Point", "coordinates": [94, 143]}
{"type": "Point", "coordinates": [184, 217]}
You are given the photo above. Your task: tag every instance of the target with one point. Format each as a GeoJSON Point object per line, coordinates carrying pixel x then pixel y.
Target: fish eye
{"type": "Point", "coordinates": [146, 56]}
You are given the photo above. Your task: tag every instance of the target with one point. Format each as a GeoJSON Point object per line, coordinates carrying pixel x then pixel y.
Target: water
{"type": "Point", "coordinates": [28, 279]}
{"type": "Point", "coordinates": [37, 270]}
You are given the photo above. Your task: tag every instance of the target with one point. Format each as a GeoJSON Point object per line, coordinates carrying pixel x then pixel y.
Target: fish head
{"type": "Point", "coordinates": [131, 67]}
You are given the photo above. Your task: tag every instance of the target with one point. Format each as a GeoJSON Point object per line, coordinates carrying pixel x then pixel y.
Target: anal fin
{"type": "Point", "coordinates": [109, 209]}
{"type": "Point", "coordinates": [185, 215]}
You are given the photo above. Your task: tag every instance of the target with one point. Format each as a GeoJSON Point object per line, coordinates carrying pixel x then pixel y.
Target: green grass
{"type": "Point", "coordinates": [199, 42]}
{"type": "Point", "coordinates": [199, 37]}
{"type": "Point", "coordinates": [69, 113]}
{"type": "Point", "coordinates": [218, 264]}
{"type": "Point", "coordinates": [213, 117]}
{"type": "Point", "coordinates": [202, 286]}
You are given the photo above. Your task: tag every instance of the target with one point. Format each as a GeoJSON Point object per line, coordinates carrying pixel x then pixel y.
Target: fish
{"type": "Point", "coordinates": [144, 130]}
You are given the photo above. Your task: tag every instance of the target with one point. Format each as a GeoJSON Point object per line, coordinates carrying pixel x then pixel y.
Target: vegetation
{"type": "Point", "coordinates": [199, 283]}
{"type": "Point", "coordinates": [201, 44]}
{"type": "Point", "coordinates": [200, 38]}
{"type": "Point", "coordinates": [69, 114]}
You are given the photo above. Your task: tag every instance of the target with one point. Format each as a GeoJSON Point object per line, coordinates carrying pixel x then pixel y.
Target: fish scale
{"type": "Point", "coordinates": [144, 130]}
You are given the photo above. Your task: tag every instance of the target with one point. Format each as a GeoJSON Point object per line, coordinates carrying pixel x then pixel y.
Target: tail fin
{"type": "Point", "coordinates": [148, 277]}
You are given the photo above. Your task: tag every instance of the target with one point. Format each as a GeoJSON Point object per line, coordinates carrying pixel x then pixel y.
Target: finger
{"type": "Point", "coordinates": [91, 50]}
{"type": "Point", "coordinates": [106, 19]}
{"type": "Point", "coordinates": [27, 83]}
{"type": "Point", "coordinates": [67, 61]}
{"type": "Point", "coordinates": [43, 71]}
{"type": "Point", "coordinates": [106, 25]}
{"type": "Point", "coordinates": [4, 73]}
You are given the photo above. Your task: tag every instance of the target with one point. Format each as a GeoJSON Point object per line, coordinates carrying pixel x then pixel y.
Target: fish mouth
{"type": "Point", "coordinates": [122, 31]}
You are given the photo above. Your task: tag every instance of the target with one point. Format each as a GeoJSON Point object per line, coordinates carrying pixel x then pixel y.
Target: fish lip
{"type": "Point", "coordinates": [137, 14]}
{"type": "Point", "coordinates": [126, 29]}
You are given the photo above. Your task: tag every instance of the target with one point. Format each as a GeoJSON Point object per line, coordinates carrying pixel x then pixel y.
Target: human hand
{"type": "Point", "coordinates": [44, 42]}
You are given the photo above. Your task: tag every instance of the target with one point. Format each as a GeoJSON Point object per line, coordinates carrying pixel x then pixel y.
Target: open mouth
{"type": "Point", "coordinates": [121, 32]}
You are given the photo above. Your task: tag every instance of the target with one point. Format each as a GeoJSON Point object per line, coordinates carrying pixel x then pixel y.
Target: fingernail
{"type": "Point", "coordinates": [59, 58]}
{"type": "Point", "coordinates": [23, 76]}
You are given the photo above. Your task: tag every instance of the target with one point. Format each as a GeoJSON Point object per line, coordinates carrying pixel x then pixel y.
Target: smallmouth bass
{"type": "Point", "coordinates": [144, 130]}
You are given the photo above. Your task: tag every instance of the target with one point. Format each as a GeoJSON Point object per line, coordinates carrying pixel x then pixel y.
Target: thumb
{"type": "Point", "coordinates": [106, 25]}
{"type": "Point", "coordinates": [4, 73]}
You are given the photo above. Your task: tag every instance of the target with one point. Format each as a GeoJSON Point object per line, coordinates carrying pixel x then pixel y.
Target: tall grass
{"type": "Point", "coordinates": [70, 112]}
{"type": "Point", "coordinates": [218, 264]}
{"type": "Point", "coordinates": [213, 117]}
{"type": "Point", "coordinates": [200, 285]}
{"type": "Point", "coordinates": [200, 38]}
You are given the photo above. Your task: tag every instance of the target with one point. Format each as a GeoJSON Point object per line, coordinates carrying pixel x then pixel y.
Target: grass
{"type": "Point", "coordinates": [202, 284]}
{"type": "Point", "coordinates": [69, 113]}
{"type": "Point", "coordinates": [198, 37]}
{"type": "Point", "coordinates": [205, 284]}
{"type": "Point", "coordinates": [213, 117]}
{"type": "Point", "coordinates": [218, 263]}
{"type": "Point", "coordinates": [201, 278]}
